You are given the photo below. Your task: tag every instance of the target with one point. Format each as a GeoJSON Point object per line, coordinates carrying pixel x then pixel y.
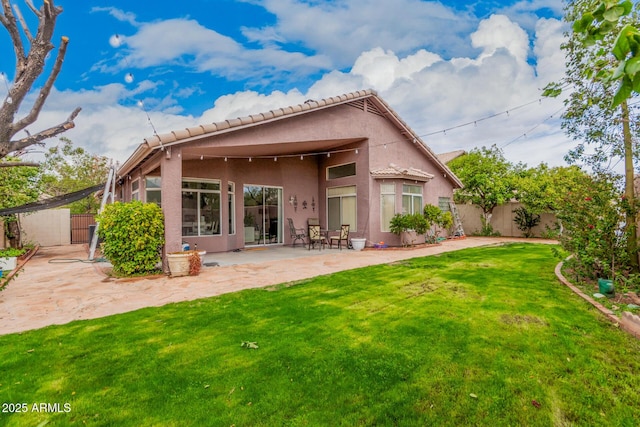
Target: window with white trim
{"type": "Point", "coordinates": [231, 198]}
{"type": "Point", "coordinates": [387, 205]}
{"type": "Point", "coordinates": [411, 199]}
{"type": "Point", "coordinates": [341, 207]}
{"type": "Point", "coordinates": [135, 189]}
{"type": "Point", "coordinates": [341, 171]}
{"type": "Point", "coordinates": [201, 207]}
{"type": "Point", "coordinates": [153, 190]}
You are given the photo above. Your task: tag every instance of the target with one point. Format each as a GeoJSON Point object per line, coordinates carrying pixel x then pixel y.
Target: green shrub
{"type": "Point", "coordinates": [132, 234]}
{"type": "Point", "coordinates": [404, 222]}
{"type": "Point", "coordinates": [12, 252]}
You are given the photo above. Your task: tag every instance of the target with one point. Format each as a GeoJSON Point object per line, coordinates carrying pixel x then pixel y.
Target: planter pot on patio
{"type": "Point", "coordinates": [178, 263]}
{"type": "Point", "coordinates": [358, 243]}
{"type": "Point", "coordinates": [8, 263]}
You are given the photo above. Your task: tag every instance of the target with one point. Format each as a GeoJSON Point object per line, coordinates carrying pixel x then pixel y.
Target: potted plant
{"type": "Point", "coordinates": [9, 258]}
{"type": "Point", "coordinates": [185, 263]}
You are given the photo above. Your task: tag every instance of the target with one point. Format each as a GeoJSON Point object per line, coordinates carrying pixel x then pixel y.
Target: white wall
{"type": "Point", "coordinates": [50, 227]}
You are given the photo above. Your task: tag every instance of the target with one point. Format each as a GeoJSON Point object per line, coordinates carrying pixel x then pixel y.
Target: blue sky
{"type": "Point", "coordinates": [138, 66]}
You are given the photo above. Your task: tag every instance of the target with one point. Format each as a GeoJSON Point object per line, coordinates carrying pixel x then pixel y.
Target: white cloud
{"type": "Point", "coordinates": [343, 29]}
{"type": "Point", "coordinates": [186, 43]}
{"type": "Point", "coordinates": [429, 92]}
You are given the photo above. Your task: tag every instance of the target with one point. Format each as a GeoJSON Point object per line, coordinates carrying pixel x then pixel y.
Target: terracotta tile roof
{"type": "Point", "coordinates": [394, 171]}
{"type": "Point", "coordinates": [381, 108]}
{"type": "Point", "coordinates": [226, 125]}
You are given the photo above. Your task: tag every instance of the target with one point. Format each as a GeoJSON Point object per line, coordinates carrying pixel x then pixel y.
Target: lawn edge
{"type": "Point", "coordinates": [626, 325]}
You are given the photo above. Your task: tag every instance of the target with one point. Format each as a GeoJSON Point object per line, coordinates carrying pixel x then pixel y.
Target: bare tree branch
{"type": "Point", "coordinates": [44, 91]}
{"type": "Point", "coordinates": [29, 68]}
{"type": "Point", "coordinates": [41, 136]}
{"type": "Point", "coordinates": [25, 28]}
{"type": "Point", "coordinates": [19, 164]}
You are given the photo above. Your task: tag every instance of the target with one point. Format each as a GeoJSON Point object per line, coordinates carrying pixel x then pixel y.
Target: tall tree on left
{"type": "Point", "coordinates": [31, 52]}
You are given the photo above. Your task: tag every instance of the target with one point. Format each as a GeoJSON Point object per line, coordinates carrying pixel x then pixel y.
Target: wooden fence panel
{"type": "Point", "coordinates": [80, 227]}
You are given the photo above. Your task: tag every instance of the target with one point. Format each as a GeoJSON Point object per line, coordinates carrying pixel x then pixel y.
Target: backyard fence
{"type": "Point", "coordinates": [501, 220]}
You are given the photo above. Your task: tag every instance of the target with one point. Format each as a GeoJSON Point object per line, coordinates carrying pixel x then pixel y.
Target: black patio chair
{"type": "Point", "coordinates": [296, 233]}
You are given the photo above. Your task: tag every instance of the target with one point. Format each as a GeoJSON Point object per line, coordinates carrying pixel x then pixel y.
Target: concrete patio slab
{"type": "Point", "coordinates": [58, 285]}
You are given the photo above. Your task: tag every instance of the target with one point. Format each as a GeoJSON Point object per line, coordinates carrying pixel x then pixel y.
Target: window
{"type": "Point", "coordinates": [200, 208]}
{"type": "Point", "coordinates": [341, 207]}
{"type": "Point", "coordinates": [443, 204]}
{"type": "Point", "coordinates": [411, 199]}
{"type": "Point", "coordinates": [341, 171]}
{"type": "Point", "coordinates": [387, 205]}
{"type": "Point", "coordinates": [135, 189]}
{"type": "Point", "coordinates": [231, 197]}
{"type": "Point", "coordinates": [152, 186]}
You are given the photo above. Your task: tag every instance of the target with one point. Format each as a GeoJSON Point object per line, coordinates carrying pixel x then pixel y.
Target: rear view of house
{"type": "Point", "coordinates": [342, 160]}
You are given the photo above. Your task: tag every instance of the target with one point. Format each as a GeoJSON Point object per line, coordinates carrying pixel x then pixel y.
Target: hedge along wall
{"type": "Point", "coordinates": [502, 220]}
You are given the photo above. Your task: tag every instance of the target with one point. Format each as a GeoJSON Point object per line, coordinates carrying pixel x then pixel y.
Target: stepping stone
{"type": "Point", "coordinates": [598, 295]}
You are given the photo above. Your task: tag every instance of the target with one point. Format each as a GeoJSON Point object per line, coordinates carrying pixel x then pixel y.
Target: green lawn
{"type": "Point", "coordinates": [483, 336]}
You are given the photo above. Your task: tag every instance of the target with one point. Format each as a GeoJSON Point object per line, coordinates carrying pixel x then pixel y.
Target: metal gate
{"type": "Point", "coordinates": [80, 227]}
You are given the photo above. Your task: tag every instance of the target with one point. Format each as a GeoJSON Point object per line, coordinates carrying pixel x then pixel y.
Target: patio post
{"type": "Point", "coordinates": [171, 185]}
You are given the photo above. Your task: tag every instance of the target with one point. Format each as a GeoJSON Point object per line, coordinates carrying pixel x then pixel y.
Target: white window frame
{"type": "Point", "coordinates": [413, 197]}
{"type": "Point", "coordinates": [354, 195]}
{"type": "Point", "coordinates": [231, 202]}
{"type": "Point", "coordinates": [341, 165]}
{"type": "Point", "coordinates": [197, 214]}
{"type": "Point", "coordinates": [135, 193]}
{"type": "Point", "coordinates": [387, 189]}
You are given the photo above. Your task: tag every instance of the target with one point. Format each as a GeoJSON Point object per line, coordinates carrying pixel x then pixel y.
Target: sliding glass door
{"type": "Point", "coordinates": [262, 215]}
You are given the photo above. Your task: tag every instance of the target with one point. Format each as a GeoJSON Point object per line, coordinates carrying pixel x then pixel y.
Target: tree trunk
{"type": "Point", "coordinates": [632, 241]}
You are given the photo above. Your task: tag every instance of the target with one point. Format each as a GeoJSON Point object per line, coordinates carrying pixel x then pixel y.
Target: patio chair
{"type": "Point", "coordinates": [315, 236]}
{"type": "Point", "coordinates": [296, 233]}
{"type": "Point", "coordinates": [344, 235]}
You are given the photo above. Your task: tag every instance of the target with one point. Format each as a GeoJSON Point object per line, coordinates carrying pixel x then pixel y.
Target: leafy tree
{"type": "Point", "coordinates": [67, 169]}
{"type": "Point", "coordinates": [19, 186]}
{"type": "Point", "coordinates": [489, 181]}
{"type": "Point", "coordinates": [593, 215]}
{"type": "Point", "coordinates": [30, 54]}
{"type": "Point", "coordinates": [541, 189]}
{"type": "Point", "coordinates": [602, 50]}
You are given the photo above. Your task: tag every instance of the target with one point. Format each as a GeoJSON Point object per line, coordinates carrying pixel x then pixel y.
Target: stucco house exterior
{"type": "Point", "coordinates": [348, 159]}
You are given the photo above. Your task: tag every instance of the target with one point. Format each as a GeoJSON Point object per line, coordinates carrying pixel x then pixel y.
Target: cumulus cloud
{"type": "Point", "coordinates": [344, 29]}
{"type": "Point", "coordinates": [186, 43]}
{"type": "Point", "coordinates": [503, 70]}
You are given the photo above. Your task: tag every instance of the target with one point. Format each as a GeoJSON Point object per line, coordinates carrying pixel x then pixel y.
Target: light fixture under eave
{"type": "Point", "coordinates": [201, 157]}
{"type": "Point", "coordinates": [356, 151]}
{"type": "Point", "coordinates": [225, 159]}
{"type": "Point", "coordinates": [328, 154]}
{"type": "Point", "coordinates": [275, 159]}
{"type": "Point", "coordinates": [249, 158]}
{"type": "Point", "coordinates": [301, 157]}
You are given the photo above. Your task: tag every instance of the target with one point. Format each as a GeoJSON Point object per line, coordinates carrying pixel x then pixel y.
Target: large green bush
{"type": "Point", "coordinates": [132, 234]}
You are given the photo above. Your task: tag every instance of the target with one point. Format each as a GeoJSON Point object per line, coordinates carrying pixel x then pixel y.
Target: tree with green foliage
{"type": "Point", "coordinates": [133, 234]}
{"type": "Point", "coordinates": [603, 60]}
{"type": "Point", "coordinates": [489, 181]}
{"type": "Point", "coordinates": [19, 186]}
{"type": "Point", "coordinates": [67, 168]}
{"type": "Point", "coordinates": [541, 189]}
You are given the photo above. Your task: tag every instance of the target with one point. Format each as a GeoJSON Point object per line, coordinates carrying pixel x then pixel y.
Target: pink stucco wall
{"type": "Point", "coordinates": [340, 130]}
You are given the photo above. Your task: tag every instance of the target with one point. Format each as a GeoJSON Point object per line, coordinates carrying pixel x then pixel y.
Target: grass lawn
{"type": "Point", "coordinates": [483, 336]}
